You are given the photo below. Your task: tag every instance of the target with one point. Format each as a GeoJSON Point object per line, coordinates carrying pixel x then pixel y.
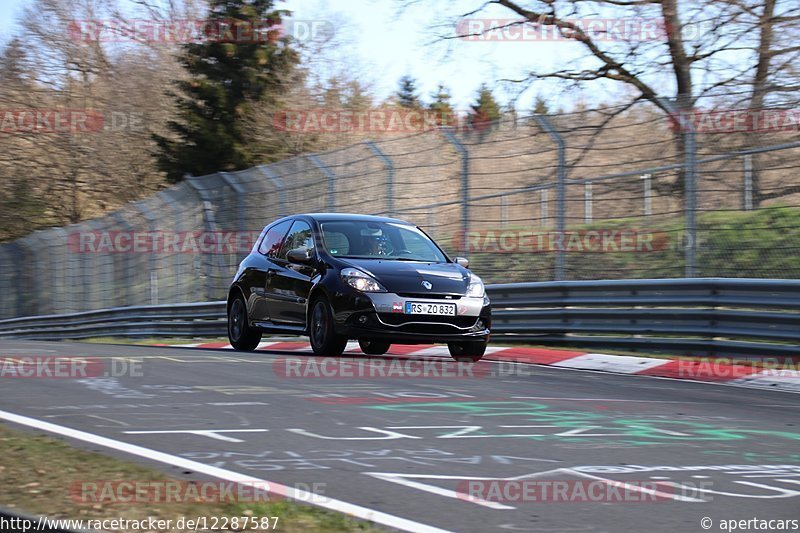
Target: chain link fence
{"type": "Point", "coordinates": [612, 193]}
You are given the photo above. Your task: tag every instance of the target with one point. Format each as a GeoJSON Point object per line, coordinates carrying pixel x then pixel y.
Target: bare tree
{"type": "Point", "coordinates": [86, 171]}
{"type": "Point", "coordinates": [703, 54]}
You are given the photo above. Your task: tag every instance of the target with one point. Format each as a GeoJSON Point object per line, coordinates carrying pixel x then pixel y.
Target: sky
{"type": "Point", "coordinates": [380, 41]}
{"type": "Point", "coordinates": [389, 42]}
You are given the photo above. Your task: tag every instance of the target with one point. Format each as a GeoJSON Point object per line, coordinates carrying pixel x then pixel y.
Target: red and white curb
{"type": "Point", "coordinates": [709, 370]}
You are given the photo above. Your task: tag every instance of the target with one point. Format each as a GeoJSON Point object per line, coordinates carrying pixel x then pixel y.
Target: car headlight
{"type": "Point", "coordinates": [361, 280]}
{"type": "Point", "coordinates": [475, 288]}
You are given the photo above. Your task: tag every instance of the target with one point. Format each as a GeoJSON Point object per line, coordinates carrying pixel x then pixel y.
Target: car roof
{"type": "Point", "coordinates": [334, 217]}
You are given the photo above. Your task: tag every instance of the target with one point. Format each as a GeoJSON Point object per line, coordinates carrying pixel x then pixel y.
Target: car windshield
{"type": "Point", "coordinates": [379, 240]}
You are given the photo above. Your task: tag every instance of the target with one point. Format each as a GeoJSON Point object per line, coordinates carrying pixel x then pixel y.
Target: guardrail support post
{"type": "Point", "coordinates": [389, 166]}
{"type": "Point", "coordinates": [465, 193]}
{"type": "Point", "coordinates": [331, 181]}
{"type": "Point", "coordinates": [561, 190]}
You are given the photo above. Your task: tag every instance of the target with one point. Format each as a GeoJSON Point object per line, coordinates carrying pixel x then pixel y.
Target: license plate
{"type": "Point", "coordinates": [420, 308]}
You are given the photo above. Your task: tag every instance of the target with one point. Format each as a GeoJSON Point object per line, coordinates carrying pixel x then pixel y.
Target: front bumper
{"type": "Point", "coordinates": [381, 316]}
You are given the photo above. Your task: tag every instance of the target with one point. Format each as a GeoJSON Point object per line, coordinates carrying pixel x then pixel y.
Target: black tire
{"type": "Point", "coordinates": [374, 347]}
{"type": "Point", "coordinates": [241, 336]}
{"type": "Point", "coordinates": [467, 352]}
{"type": "Point", "coordinates": [324, 339]}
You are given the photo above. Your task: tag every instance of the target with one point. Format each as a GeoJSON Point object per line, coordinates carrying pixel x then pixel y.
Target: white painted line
{"type": "Point", "coordinates": [402, 479]}
{"type": "Point", "coordinates": [357, 511]}
{"type": "Point", "coordinates": [623, 364]}
{"type": "Point", "coordinates": [210, 433]}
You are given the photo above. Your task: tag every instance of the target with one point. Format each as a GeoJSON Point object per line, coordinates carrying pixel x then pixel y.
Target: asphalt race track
{"type": "Point", "coordinates": [673, 451]}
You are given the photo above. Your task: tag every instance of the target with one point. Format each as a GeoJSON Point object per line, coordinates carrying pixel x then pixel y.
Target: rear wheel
{"type": "Point", "coordinates": [241, 336]}
{"type": "Point", "coordinates": [465, 352]}
{"type": "Point", "coordinates": [374, 347]}
{"type": "Point", "coordinates": [324, 339]}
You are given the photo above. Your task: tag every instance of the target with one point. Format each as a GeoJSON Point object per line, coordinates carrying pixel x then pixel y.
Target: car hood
{"type": "Point", "coordinates": [407, 276]}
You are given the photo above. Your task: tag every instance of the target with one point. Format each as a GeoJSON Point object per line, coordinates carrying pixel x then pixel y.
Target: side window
{"type": "Point", "coordinates": [299, 237]}
{"type": "Point", "coordinates": [271, 244]}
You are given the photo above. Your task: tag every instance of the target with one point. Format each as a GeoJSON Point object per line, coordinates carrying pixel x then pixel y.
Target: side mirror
{"type": "Point", "coordinates": [463, 261]}
{"type": "Point", "coordinates": [299, 255]}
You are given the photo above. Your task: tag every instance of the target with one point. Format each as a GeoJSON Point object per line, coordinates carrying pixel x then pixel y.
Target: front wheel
{"type": "Point", "coordinates": [241, 336]}
{"type": "Point", "coordinates": [374, 347]}
{"type": "Point", "coordinates": [466, 352]}
{"type": "Point", "coordinates": [323, 336]}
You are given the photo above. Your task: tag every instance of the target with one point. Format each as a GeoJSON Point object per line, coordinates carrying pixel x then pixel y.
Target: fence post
{"type": "Point", "coordinates": [561, 190]}
{"type": "Point", "coordinates": [691, 199]}
{"type": "Point", "coordinates": [60, 285]}
{"type": "Point", "coordinates": [587, 202]}
{"type": "Point", "coordinates": [686, 125]}
{"type": "Point", "coordinates": [504, 210]}
{"type": "Point", "coordinates": [331, 181]}
{"type": "Point", "coordinates": [240, 192]}
{"type": "Point", "coordinates": [122, 285]}
{"type": "Point", "coordinates": [648, 205]}
{"type": "Point", "coordinates": [26, 305]}
{"type": "Point", "coordinates": [210, 226]}
{"type": "Point", "coordinates": [151, 223]}
{"type": "Point", "coordinates": [748, 182]}
{"type": "Point", "coordinates": [389, 166]}
{"type": "Point", "coordinates": [462, 150]}
{"type": "Point", "coordinates": [543, 211]}
{"type": "Point", "coordinates": [172, 289]}
{"type": "Point", "coordinates": [98, 271]}
{"type": "Point", "coordinates": [270, 175]}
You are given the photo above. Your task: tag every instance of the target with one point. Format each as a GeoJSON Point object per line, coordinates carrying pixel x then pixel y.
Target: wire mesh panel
{"type": "Point", "coordinates": [616, 179]}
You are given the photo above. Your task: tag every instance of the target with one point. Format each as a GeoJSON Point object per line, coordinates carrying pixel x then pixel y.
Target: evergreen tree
{"type": "Point", "coordinates": [358, 97]}
{"type": "Point", "coordinates": [540, 106]}
{"type": "Point", "coordinates": [445, 116]}
{"type": "Point", "coordinates": [485, 111]}
{"type": "Point", "coordinates": [228, 76]}
{"type": "Point", "coordinates": [12, 62]}
{"type": "Point", "coordinates": [407, 94]}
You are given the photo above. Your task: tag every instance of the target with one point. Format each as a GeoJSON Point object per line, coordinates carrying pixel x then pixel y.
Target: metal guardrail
{"type": "Point", "coordinates": [701, 316]}
{"type": "Point", "coordinates": [178, 320]}
{"type": "Point", "coordinates": [698, 316]}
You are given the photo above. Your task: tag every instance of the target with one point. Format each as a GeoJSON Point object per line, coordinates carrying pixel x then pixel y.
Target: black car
{"type": "Point", "coordinates": [336, 277]}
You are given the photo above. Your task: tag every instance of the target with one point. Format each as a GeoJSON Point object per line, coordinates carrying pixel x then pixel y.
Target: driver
{"type": "Point", "coordinates": [376, 245]}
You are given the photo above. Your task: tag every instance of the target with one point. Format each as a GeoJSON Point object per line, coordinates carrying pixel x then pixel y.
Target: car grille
{"type": "Point", "coordinates": [428, 323]}
{"type": "Point", "coordinates": [427, 295]}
